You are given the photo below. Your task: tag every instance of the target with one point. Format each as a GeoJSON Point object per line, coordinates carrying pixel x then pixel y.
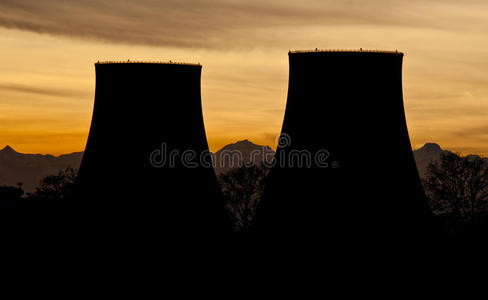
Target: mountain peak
{"type": "Point", "coordinates": [8, 149]}
{"type": "Point", "coordinates": [240, 144]}
{"type": "Point", "coordinates": [431, 147]}
{"type": "Point", "coordinates": [246, 141]}
{"type": "Point", "coordinates": [244, 146]}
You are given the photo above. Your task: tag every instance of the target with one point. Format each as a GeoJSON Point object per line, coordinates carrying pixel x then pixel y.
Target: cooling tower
{"type": "Point", "coordinates": [147, 149]}
{"type": "Point", "coordinates": [344, 166]}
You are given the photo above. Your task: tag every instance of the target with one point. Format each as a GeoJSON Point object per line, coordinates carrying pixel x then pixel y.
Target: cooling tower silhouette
{"type": "Point", "coordinates": [147, 148]}
{"type": "Point", "coordinates": [359, 178]}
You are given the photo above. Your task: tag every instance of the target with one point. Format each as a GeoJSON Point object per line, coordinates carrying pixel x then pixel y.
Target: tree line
{"type": "Point", "coordinates": [456, 187]}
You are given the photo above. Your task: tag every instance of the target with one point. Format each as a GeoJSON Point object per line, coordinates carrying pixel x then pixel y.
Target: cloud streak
{"type": "Point", "coordinates": [213, 24]}
{"type": "Point", "coordinates": [20, 88]}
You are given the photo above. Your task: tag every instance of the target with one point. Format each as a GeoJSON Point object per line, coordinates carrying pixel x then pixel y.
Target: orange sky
{"type": "Point", "coordinates": [48, 49]}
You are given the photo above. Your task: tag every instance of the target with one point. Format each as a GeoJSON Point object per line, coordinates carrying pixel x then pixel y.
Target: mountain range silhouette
{"type": "Point", "coordinates": [31, 168]}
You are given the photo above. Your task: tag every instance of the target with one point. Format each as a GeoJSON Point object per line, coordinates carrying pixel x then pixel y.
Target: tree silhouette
{"type": "Point", "coordinates": [242, 189]}
{"type": "Point", "coordinates": [56, 187]}
{"type": "Point", "coordinates": [459, 186]}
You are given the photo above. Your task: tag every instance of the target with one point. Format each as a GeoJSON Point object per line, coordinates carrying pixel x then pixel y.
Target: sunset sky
{"type": "Point", "coordinates": [48, 48]}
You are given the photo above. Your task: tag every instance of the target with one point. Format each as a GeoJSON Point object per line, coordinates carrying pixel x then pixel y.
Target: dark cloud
{"type": "Point", "coordinates": [41, 90]}
{"type": "Point", "coordinates": [203, 23]}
